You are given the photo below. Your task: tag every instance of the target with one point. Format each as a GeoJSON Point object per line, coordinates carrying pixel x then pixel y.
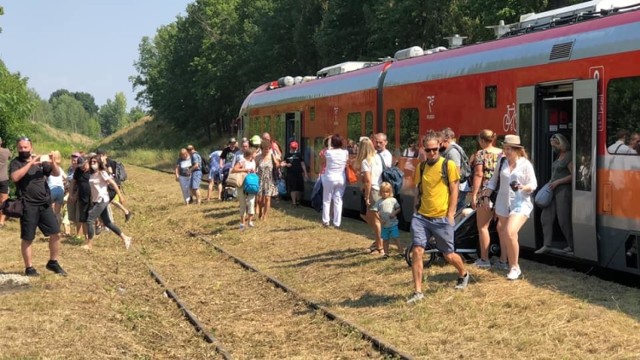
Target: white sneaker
{"type": "Point", "coordinates": [514, 274]}
{"type": "Point", "coordinates": [251, 224]}
{"type": "Point", "coordinates": [416, 297]}
{"type": "Point", "coordinates": [127, 242]}
{"type": "Point", "coordinates": [483, 264]}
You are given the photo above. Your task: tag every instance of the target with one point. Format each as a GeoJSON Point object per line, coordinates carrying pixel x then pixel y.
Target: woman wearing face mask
{"type": "Point", "coordinates": [560, 184]}
{"type": "Point", "coordinates": [99, 182]}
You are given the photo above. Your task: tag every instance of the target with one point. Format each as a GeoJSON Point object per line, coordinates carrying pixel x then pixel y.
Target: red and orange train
{"type": "Point", "coordinates": [575, 71]}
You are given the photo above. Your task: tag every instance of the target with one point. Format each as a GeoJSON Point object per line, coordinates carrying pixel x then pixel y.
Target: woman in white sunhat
{"type": "Point", "coordinates": [513, 204]}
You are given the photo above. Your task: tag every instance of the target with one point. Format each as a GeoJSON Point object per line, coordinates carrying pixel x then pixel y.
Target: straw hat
{"type": "Point", "coordinates": [512, 140]}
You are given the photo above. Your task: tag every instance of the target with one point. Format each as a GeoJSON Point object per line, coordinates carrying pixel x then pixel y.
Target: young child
{"type": "Point", "coordinates": [247, 201]}
{"type": "Point", "coordinates": [387, 210]}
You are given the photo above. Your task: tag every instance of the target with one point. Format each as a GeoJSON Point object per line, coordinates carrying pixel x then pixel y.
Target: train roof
{"type": "Point", "coordinates": [608, 33]}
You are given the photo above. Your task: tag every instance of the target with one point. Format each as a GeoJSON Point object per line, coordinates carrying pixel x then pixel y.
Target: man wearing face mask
{"type": "Point", "coordinates": [29, 173]}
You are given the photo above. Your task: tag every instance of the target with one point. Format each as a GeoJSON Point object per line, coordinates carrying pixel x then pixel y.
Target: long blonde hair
{"type": "Point", "coordinates": [366, 151]}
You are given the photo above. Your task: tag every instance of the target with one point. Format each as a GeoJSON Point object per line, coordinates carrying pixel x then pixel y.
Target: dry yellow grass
{"type": "Point", "coordinates": [110, 307]}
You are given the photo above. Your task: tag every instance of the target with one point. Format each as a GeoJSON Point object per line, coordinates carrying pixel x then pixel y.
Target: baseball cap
{"type": "Point", "coordinates": [293, 144]}
{"type": "Point", "coordinates": [255, 140]}
{"type": "Point", "coordinates": [76, 155]}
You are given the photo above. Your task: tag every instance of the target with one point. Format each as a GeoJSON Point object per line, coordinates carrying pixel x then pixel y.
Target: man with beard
{"type": "Point", "coordinates": [29, 173]}
{"type": "Point", "coordinates": [436, 197]}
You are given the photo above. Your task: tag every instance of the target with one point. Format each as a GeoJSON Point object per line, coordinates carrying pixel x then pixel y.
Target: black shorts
{"type": "Point", "coordinates": [4, 187]}
{"type": "Point", "coordinates": [82, 211]}
{"type": "Point", "coordinates": [40, 216]}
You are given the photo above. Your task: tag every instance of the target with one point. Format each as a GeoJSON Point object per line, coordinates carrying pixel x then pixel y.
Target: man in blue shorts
{"type": "Point", "coordinates": [196, 174]}
{"type": "Point", "coordinates": [437, 199]}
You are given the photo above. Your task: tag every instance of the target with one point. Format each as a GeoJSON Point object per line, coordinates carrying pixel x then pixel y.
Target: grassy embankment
{"type": "Point", "coordinates": [151, 142]}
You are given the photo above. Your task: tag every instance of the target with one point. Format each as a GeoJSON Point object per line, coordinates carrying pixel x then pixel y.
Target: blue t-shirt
{"type": "Point", "coordinates": [196, 158]}
{"type": "Point", "coordinates": [214, 160]}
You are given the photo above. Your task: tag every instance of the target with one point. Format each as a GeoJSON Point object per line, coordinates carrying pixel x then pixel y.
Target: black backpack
{"type": "Point", "coordinates": [121, 173]}
{"type": "Point", "coordinates": [204, 165]}
{"type": "Point", "coordinates": [393, 176]}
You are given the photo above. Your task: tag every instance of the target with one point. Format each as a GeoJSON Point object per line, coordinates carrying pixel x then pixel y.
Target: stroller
{"type": "Point", "coordinates": [465, 241]}
{"type": "Point", "coordinates": [229, 193]}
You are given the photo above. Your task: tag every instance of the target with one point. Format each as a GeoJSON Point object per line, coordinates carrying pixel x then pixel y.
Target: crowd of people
{"type": "Point", "coordinates": [497, 183]}
{"type": "Point", "coordinates": [52, 199]}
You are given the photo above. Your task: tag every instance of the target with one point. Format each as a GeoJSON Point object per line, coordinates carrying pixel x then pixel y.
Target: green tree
{"type": "Point", "coordinates": [136, 113]}
{"type": "Point", "coordinates": [113, 114]}
{"type": "Point", "coordinates": [88, 102]}
{"type": "Point", "coordinates": [15, 103]}
{"type": "Point", "coordinates": [56, 94]}
{"type": "Point", "coordinates": [70, 115]}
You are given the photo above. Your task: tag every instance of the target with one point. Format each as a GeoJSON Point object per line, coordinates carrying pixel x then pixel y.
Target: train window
{"type": "Point", "coordinates": [354, 126]}
{"type": "Point", "coordinates": [584, 123]}
{"type": "Point", "coordinates": [368, 123]}
{"type": "Point", "coordinates": [490, 97]}
{"type": "Point", "coordinates": [408, 126]}
{"type": "Point", "coordinates": [312, 113]}
{"type": "Point", "coordinates": [623, 116]}
{"type": "Point", "coordinates": [267, 124]}
{"type": "Point", "coordinates": [307, 151]}
{"type": "Point", "coordinates": [277, 128]}
{"type": "Point", "coordinates": [391, 130]}
{"type": "Point", "coordinates": [318, 145]}
{"type": "Point", "coordinates": [469, 143]}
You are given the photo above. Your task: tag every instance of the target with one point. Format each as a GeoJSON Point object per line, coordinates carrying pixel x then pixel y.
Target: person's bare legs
{"type": "Point", "coordinates": [3, 197]}
{"type": "Point", "coordinates": [483, 217]}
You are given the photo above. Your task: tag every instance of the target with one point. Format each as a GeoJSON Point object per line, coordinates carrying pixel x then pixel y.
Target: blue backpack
{"type": "Point", "coordinates": [251, 184]}
{"type": "Point", "coordinates": [393, 176]}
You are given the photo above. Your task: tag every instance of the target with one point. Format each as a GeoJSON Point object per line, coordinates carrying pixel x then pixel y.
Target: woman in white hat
{"type": "Point", "coordinates": [513, 204]}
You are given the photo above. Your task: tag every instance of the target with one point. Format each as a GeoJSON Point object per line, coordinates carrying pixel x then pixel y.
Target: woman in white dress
{"type": "Point", "coordinates": [513, 204]}
{"type": "Point", "coordinates": [183, 174]}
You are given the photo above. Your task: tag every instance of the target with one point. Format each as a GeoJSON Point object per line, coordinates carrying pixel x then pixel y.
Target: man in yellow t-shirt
{"type": "Point", "coordinates": [435, 215]}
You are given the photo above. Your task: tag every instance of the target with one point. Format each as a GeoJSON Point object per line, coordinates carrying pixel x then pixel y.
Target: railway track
{"type": "Point", "coordinates": [245, 313]}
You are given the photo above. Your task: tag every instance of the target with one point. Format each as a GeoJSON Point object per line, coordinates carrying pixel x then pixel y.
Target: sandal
{"type": "Point", "coordinates": [377, 252]}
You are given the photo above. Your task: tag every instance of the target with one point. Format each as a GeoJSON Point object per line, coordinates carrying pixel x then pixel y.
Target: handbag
{"type": "Point", "coordinates": [544, 196]}
{"type": "Point", "coordinates": [13, 208]}
{"type": "Point", "coordinates": [351, 175]}
{"type": "Point", "coordinates": [236, 179]}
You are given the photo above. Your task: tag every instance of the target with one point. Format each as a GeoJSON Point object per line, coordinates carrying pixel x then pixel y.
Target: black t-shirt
{"type": "Point", "coordinates": [295, 159]}
{"type": "Point", "coordinates": [82, 184]}
{"type": "Point", "coordinates": [33, 186]}
{"type": "Point", "coordinates": [228, 154]}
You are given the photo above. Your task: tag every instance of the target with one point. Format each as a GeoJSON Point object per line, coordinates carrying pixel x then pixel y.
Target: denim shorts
{"type": "Point", "coordinates": [390, 232]}
{"type": "Point", "coordinates": [422, 228]}
{"type": "Point", "coordinates": [57, 195]}
{"type": "Point", "coordinates": [196, 178]}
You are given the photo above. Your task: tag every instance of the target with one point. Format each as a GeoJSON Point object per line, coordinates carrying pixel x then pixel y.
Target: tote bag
{"type": "Point", "coordinates": [544, 196]}
{"type": "Point", "coordinates": [236, 179]}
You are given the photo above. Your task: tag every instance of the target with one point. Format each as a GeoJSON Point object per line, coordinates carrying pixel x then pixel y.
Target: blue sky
{"type": "Point", "coordinates": [80, 45]}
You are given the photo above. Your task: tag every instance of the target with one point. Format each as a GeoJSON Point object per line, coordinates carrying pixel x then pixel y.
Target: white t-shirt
{"type": "Point", "coordinates": [56, 181]}
{"type": "Point", "coordinates": [247, 165]}
{"type": "Point", "coordinates": [375, 168]}
{"type": "Point", "coordinates": [336, 160]}
{"type": "Point", "coordinates": [98, 183]}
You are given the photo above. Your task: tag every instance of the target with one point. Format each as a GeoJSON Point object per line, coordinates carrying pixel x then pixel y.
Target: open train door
{"type": "Point", "coordinates": [293, 129]}
{"type": "Point", "coordinates": [525, 126]}
{"type": "Point", "coordinates": [585, 101]}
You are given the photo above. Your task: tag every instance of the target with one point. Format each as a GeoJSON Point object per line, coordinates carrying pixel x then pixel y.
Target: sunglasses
{"type": "Point", "coordinates": [431, 150]}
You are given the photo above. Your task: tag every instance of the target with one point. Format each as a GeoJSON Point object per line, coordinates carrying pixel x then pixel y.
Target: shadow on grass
{"type": "Point", "coordinates": [221, 214]}
{"type": "Point", "coordinates": [320, 258]}
{"type": "Point", "coordinates": [369, 299]}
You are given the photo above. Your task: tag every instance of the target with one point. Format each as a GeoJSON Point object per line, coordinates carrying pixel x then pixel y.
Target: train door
{"type": "Point", "coordinates": [293, 127]}
{"type": "Point", "coordinates": [525, 109]}
{"type": "Point", "coordinates": [585, 96]}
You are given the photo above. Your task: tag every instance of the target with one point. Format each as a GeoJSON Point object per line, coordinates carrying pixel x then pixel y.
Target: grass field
{"type": "Point", "coordinates": [109, 307]}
